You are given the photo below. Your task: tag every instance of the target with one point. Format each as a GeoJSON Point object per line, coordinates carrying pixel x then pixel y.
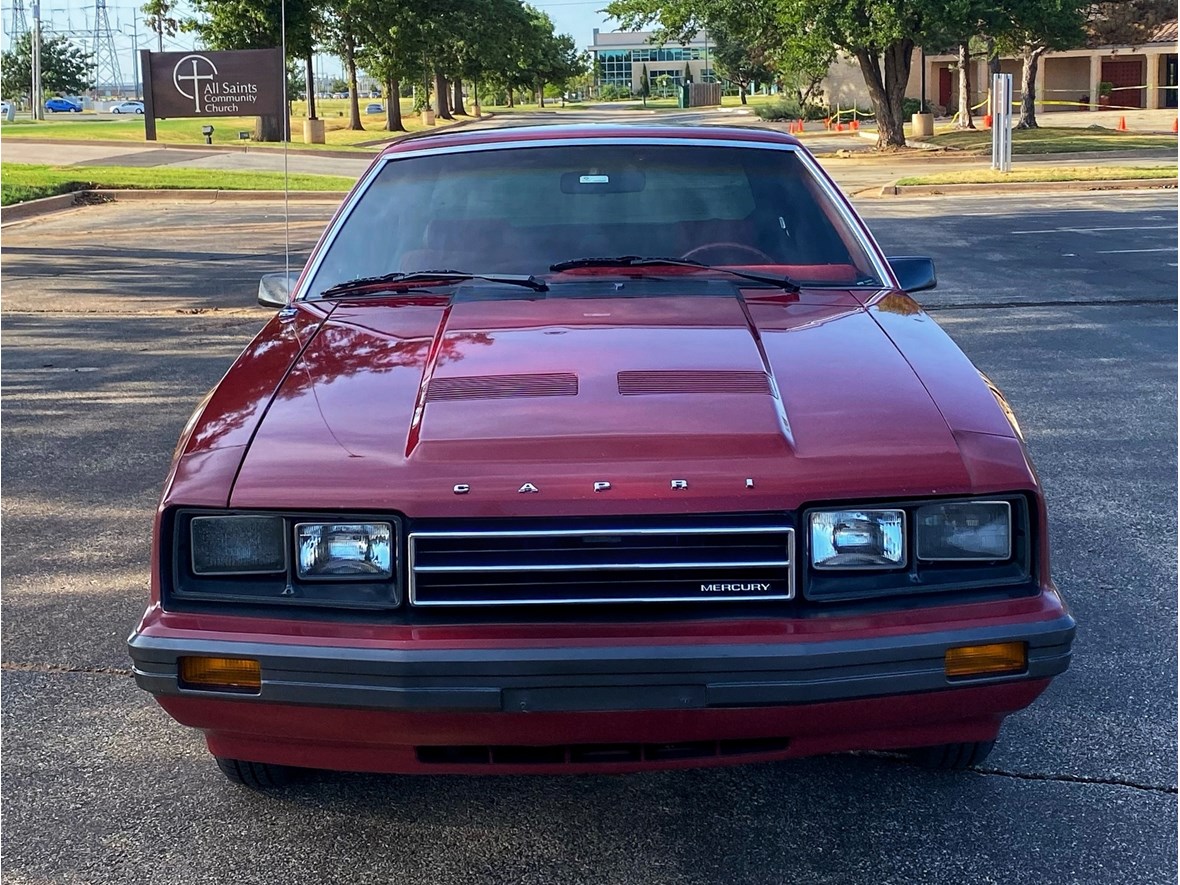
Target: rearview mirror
{"type": "Point", "coordinates": [274, 289]}
{"type": "Point", "coordinates": [913, 274]}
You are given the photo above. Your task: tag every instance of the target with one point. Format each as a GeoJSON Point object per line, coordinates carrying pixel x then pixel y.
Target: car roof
{"type": "Point", "coordinates": [605, 132]}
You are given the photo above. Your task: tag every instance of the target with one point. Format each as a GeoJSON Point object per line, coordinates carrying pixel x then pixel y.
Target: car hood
{"type": "Point", "coordinates": [440, 407]}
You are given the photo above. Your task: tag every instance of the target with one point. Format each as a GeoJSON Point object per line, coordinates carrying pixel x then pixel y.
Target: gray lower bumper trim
{"type": "Point", "coordinates": [602, 677]}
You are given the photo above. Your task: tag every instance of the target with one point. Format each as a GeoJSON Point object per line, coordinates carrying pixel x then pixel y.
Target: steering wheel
{"type": "Point", "coordinates": [694, 254]}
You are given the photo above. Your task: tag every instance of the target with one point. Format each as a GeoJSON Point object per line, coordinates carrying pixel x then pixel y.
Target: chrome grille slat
{"type": "Point", "coordinates": [670, 563]}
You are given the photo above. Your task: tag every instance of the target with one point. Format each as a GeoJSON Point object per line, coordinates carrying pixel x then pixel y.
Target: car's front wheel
{"type": "Point", "coordinates": [952, 757]}
{"type": "Point", "coordinates": [256, 775]}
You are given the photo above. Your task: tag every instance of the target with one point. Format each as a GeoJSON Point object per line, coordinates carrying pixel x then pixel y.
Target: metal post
{"type": "Point", "coordinates": [38, 108]}
{"type": "Point", "coordinates": [922, 104]}
{"type": "Point", "coordinates": [1001, 100]}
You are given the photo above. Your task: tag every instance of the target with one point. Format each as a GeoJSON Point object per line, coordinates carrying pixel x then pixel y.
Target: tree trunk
{"type": "Point", "coordinates": [1028, 88]}
{"type": "Point", "coordinates": [963, 118]}
{"type": "Point", "coordinates": [310, 89]}
{"type": "Point", "coordinates": [393, 105]}
{"type": "Point", "coordinates": [541, 93]}
{"type": "Point", "coordinates": [440, 92]}
{"type": "Point", "coordinates": [743, 92]}
{"type": "Point", "coordinates": [457, 102]}
{"type": "Point", "coordinates": [511, 97]}
{"type": "Point", "coordinates": [887, 90]}
{"type": "Point", "coordinates": [354, 100]}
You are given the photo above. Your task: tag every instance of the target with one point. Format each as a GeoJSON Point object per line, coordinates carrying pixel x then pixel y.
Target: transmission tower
{"type": "Point", "coordinates": [19, 27]}
{"type": "Point", "coordinates": [106, 60]}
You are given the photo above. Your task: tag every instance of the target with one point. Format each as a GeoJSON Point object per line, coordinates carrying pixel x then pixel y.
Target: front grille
{"type": "Point", "coordinates": [565, 566]}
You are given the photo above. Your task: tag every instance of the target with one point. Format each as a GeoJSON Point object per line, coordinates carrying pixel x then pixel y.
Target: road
{"type": "Point", "coordinates": [116, 318]}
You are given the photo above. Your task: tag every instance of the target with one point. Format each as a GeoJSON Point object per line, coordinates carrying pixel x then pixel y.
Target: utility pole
{"type": "Point", "coordinates": [38, 108]}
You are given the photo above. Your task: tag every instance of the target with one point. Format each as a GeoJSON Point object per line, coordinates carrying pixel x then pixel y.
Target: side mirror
{"type": "Point", "coordinates": [274, 289]}
{"type": "Point", "coordinates": [914, 274]}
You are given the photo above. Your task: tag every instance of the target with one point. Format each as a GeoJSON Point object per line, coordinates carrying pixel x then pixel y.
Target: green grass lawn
{"type": "Point", "coordinates": [1053, 140]}
{"type": "Point", "coordinates": [1060, 173]}
{"type": "Point", "coordinates": [20, 182]}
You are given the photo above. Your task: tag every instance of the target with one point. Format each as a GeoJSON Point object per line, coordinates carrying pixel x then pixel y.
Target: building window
{"type": "Point", "coordinates": [615, 68]}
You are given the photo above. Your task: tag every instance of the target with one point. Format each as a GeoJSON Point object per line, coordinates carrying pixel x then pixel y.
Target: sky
{"type": "Point", "coordinates": [577, 18]}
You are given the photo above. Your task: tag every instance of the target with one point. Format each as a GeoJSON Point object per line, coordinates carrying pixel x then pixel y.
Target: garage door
{"type": "Point", "coordinates": [1128, 78]}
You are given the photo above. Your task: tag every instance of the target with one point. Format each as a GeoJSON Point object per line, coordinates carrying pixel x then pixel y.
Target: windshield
{"type": "Point", "coordinates": [520, 210]}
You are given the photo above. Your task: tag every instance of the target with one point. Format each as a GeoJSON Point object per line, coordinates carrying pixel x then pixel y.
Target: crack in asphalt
{"type": "Point", "coordinates": [1077, 779]}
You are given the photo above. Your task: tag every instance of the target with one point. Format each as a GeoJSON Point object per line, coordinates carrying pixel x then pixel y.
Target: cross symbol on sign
{"type": "Point", "coordinates": [195, 78]}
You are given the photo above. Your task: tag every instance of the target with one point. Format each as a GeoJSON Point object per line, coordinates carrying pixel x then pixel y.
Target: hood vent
{"type": "Point", "coordinates": [690, 381]}
{"type": "Point", "coordinates": [502, 386]}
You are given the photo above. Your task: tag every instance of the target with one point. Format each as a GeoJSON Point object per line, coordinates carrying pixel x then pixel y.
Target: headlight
{"type": "Point", "coordinates": [237, 545]}
{"type": "Point", "coordinates": [964, 530]}
{"type": "Point", "coordinates": [858, 539]}
{"type": "Point", "coordinates": [308, 559]}
{"type": "Point", "coordinates": [344, 550]}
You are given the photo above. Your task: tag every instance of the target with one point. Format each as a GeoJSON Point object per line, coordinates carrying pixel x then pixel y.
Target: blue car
{"type": "Point", "coordinates": [58, 103]}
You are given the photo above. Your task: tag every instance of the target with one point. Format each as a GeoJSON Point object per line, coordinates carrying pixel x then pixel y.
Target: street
{"type": "Point", "coordinates": [118, 317]}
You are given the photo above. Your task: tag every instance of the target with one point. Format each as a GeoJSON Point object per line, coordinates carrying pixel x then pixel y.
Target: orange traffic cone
{"type": "Point", "coordinates": [839, 127]}
{"type": "Point", "coordinates": [1176, 126]}
{"type": "Point", "coordinates": [1122, 127]}
{"type": "Point", "coordinates": [854, 126]}
{"type": "Point", "coordinates": [987, 121]}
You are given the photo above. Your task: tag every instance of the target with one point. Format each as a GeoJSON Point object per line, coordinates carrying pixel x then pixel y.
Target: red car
{"type": "Point", "coordinates": [598, 449]}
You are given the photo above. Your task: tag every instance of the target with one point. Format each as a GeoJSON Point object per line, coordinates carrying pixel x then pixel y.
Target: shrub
{"type": "Point", "coordinates": [789, 109]}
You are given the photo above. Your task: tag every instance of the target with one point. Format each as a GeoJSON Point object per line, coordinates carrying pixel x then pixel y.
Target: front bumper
{"type": "Point", "coordinates": [601, 678]}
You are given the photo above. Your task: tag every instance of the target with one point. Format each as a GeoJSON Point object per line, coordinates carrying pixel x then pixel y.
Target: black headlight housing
{"type": "Point", "coordinates": [957, 568]}
{"type": "Point", "coordinates": [305, 559]}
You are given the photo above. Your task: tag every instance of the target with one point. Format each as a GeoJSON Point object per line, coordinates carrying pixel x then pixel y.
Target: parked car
{"type": "Point", "coordinates": [5, 108]}
{"type": "Point", "coordinates": [671, 469]}
{"type": "Point", "coordinates": [58, 104]}
{"type": "Point", "coordinates": [128, 107]}
{"type": "Point", "coordinates": [374, 108]}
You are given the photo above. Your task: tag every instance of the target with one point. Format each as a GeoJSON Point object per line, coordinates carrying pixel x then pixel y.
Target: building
{"type": "Point", "coordinates": [620, 57]}
{"type": "Point", "coordinates": [1138, 76]}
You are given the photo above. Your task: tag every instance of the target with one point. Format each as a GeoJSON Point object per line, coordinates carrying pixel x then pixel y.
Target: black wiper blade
{"type": "Point", "coordinates": [395, 280]}
{"type": "Point", "coordinates": [641, 261]}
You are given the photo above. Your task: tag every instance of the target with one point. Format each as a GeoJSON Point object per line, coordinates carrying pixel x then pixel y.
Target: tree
{"type": "Point", "coordinates": [65, 68]}
{"type": "Point", "coordinates": [644, 86]}
{"type": "Point", "coordinates": [1038, 26]}
{"type": "Point", "coordinates": [157, 16]}
{"type": "Point", "coordinates": [881, 36]}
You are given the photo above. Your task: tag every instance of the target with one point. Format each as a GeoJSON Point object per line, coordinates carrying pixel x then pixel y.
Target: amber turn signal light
{"type": "Point", "coordinates": [986, 660]}
{"type": "Point", "coordinates": [221, 674]}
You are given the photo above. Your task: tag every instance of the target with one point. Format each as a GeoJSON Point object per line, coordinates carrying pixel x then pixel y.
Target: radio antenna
{"type": "Point", "coordinates": [286, 123]}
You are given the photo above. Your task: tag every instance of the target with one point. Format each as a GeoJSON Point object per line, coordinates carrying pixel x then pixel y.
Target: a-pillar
{"type": "Point", "coordinates": [1153, 80]}
{"type": "Point", "coordinates": [1095, 80]}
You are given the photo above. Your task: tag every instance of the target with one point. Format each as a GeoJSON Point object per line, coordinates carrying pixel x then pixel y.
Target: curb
{"type": "Point", "coordinates": [915, 190]}
{"type": "Point", "coordinates": [77, 199]}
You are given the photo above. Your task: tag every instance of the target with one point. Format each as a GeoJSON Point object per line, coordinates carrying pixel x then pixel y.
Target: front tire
{"type": "Point", "coordinates": [951, 757]}
{"type": "Point", "coordinates": [256, 775]}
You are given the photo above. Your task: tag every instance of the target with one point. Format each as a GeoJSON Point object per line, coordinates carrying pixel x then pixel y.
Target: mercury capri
{"type": "Point", "coordinates": [598, 448]}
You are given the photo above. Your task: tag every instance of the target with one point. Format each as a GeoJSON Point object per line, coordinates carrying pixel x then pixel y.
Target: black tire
{"type": "Point", "coordinates": [256, 775]}
{"type": "Point", "coordinates": [952, 757]}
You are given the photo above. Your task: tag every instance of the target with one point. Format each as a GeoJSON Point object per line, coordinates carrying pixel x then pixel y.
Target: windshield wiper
{"type": "Point", "coordinates": [384, 282]}
{"type": "Point", "coordinates": [640, 261]}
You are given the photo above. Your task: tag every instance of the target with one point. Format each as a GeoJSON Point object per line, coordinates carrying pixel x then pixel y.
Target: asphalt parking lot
{"type": "Point", "coordinates": [116, 319]}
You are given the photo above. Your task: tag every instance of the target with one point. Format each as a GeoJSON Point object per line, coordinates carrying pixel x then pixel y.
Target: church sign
{"type": "Point", "coordinates": [242, 83]}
